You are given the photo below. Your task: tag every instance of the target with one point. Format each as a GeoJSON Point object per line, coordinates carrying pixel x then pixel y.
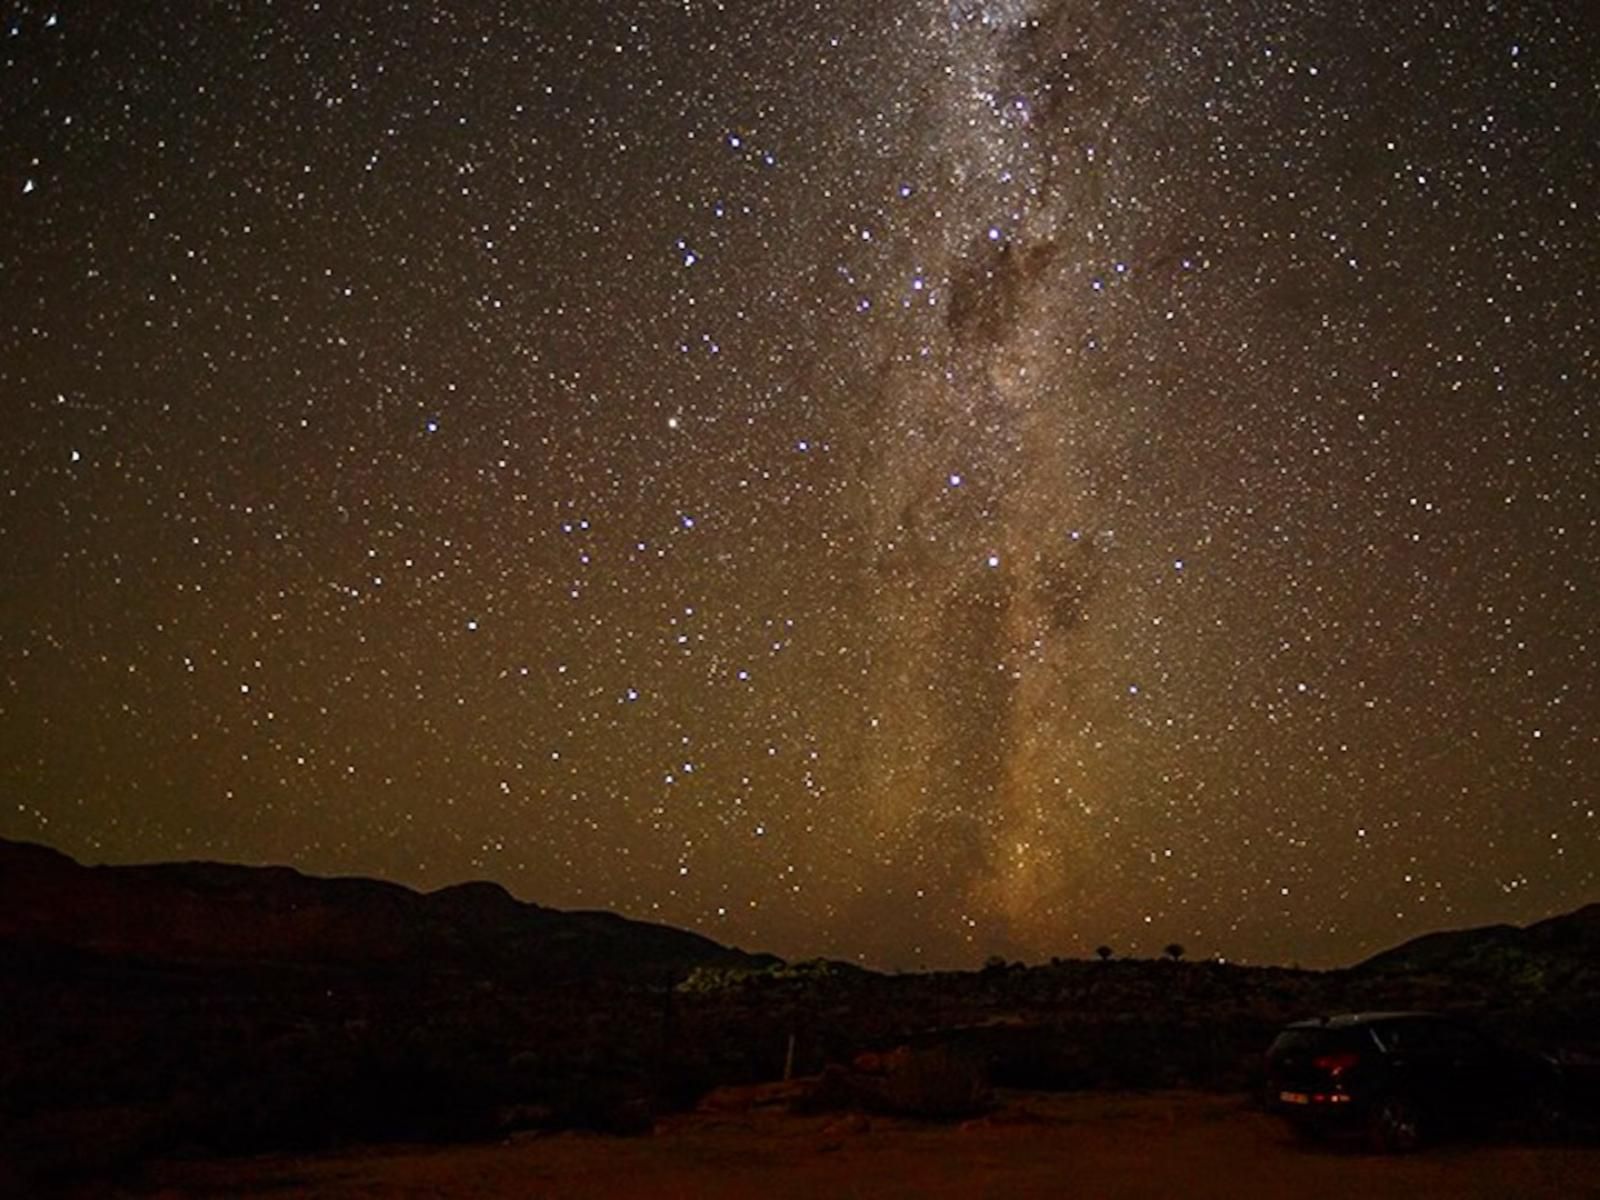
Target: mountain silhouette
{"type": "Point", "coordinates": [204, 912]}
{"type": "Point", "coordinates": [1569, 942]}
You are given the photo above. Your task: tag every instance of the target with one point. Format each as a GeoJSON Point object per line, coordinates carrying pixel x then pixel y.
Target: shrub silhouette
{"type": "Point", "coordinates": [937, 1082]}
{"type": "Point", "coordinates": [1174, 951]}
{"type": "Point", "coordinates": [321, 1091]}
{"type": "Point", "coordinates": [1103, 952]}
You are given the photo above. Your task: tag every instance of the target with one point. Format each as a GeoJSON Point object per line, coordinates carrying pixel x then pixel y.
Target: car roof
{"type": "Point", "coordinates": [1350, 1020]}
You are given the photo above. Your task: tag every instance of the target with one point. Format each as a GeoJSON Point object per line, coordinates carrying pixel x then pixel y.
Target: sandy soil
{"type": "Point", "coordinates": [1104, 1146]}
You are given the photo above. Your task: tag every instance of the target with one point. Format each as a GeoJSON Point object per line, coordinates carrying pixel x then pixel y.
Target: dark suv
{"type": "Point", "coordinates": [1401, 1078]}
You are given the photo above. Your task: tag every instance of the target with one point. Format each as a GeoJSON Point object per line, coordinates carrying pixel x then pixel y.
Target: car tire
{"type": "Point", "coordinates": [1395, 1126]}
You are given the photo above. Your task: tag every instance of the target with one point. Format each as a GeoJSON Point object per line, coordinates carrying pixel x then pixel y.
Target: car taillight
{"type": "Point", "coordinates": [1336, 1064]}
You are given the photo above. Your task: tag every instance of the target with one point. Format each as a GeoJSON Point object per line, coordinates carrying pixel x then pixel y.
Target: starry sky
{"type": "Point", "coordinates": [905, 481]}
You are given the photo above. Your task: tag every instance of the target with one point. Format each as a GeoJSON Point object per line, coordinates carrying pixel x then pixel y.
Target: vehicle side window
{"type": "Point", "coordinates": [1390, 1037]}
{"type": "Point", "coordinates": [1432, 1038]}
{"type": "Point", "coordinates": [1462, 1042]}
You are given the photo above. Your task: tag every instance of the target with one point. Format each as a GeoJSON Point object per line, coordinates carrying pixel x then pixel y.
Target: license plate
{"type": "Point", "coordinates": [1294, 1098]}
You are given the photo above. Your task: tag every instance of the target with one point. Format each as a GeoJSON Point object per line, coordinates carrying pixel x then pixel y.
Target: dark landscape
{"type": "Point", "coordinates": [198, 1011]}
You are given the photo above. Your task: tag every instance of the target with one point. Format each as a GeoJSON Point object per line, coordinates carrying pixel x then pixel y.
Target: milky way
{"type": "Point", "coordinates": [905, 481]}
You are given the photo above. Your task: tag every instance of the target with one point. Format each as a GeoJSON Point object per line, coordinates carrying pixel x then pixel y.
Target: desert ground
{"type": "Point", "coordinates": [188, 1030]}
{"type": "Point", "coordinates": [743, 1142]}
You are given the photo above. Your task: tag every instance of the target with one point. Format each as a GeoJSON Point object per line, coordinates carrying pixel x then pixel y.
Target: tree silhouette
{"type": "Point", "coordinates": [1104, 953]}
{"type": "Point", "coordinates": [1174, 951]}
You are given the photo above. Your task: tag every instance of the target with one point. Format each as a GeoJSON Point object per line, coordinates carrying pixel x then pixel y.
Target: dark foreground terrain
{"type": "Point", "coordinates": [1111, 1146]}
{"type": "Point", "coordinates": [164, 1024]}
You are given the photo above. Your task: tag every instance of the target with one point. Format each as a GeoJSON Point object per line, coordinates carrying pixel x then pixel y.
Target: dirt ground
{"type": "Point", "coordinates": [1109, 1147]}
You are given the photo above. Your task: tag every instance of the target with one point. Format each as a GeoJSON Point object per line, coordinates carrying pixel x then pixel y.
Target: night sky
{"type": "Point", "coordinates": [906, 481]}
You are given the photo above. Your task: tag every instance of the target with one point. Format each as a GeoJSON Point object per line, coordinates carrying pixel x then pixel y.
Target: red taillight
{"type": "Point", "coordinates": [1336, 1064]}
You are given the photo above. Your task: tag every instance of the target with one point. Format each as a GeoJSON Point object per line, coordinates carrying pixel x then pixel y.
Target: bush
{"type": "Point", "coordinates": [604, 1105]}
{"type": "Point", "coordinates": [327, 1090]}
{"type": "Point", "coordinates": [711, 980]}
{"type": "Point", "coordinates": [938, 1082]}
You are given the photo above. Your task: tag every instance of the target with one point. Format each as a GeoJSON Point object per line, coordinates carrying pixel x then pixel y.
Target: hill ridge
{"type": "Point", "coordinates": [1495, 948]}
{"type": "Point", "coordinates": [230, 912]}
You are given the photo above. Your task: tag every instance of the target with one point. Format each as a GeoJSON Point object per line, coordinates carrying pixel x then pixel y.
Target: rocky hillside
{"type": "Point", "coordinates": [1563, 950]}
{"type": "Point", "coordinates": [212, 912]}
